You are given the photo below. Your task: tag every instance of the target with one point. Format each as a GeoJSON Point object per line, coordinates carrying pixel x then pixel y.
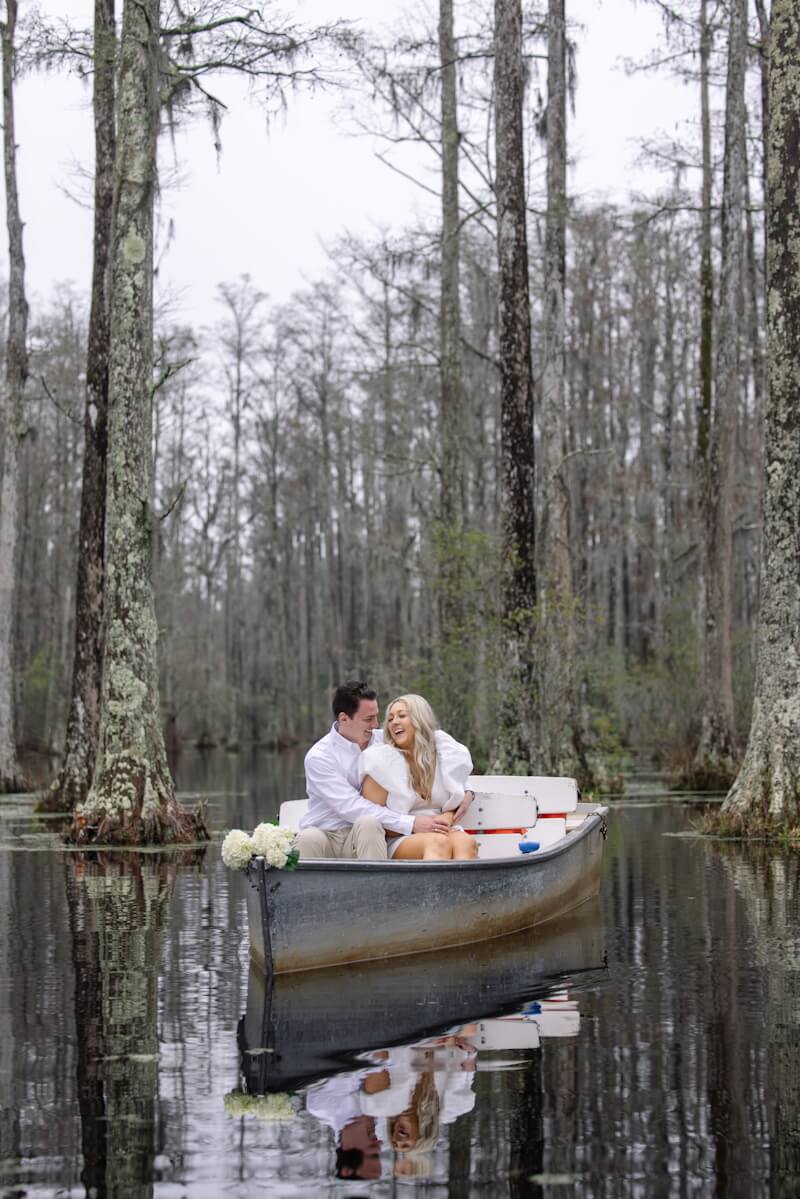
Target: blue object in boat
{"type": "Point", "coordinates": [528, 846]}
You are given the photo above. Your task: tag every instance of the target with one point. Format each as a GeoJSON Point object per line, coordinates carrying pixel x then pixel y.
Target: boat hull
{"type": "Point", "coordinates": [300, 1027]}
{"type": "Point", "coordinates": [333, 912]}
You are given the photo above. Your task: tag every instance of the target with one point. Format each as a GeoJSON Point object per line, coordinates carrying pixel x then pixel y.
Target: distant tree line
{"type": "Point", "coordinates": [297, 488]}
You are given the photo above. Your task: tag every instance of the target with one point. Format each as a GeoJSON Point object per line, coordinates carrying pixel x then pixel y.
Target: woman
{"type": "Point", "coordinates": [420, 1088]}
{"type": "Point", "coordinates": [420, 769]}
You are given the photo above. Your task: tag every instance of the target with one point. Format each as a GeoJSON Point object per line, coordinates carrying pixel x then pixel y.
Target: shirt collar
{"type": "Point", "coordinates": [343, 742]}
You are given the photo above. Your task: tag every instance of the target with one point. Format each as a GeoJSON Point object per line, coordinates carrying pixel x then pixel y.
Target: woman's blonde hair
{"type": "Point", "coordinates": [425, 1104]}
{"type": "Point", "coordinates": [421, 758]}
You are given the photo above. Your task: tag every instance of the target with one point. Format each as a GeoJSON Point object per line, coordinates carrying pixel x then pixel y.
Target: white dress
{"type": "Point", "coordinates": [452, 1077]}
{"type": "Point", "coordinates": [388, 767]}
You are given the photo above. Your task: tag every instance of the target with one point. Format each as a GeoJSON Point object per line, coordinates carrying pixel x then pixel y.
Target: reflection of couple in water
{"type": "Point", "coordinates": [396, 792]}
{"type": "Point", "coordinates": [396, 1105]}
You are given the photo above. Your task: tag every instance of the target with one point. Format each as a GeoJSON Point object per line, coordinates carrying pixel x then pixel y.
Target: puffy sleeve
{"type": "Point", "coordinates": [387, 766]}
{"type": "Point", "coordinates": [456, 1096]}
{"type": "Point", "coordinates": [455, 766]}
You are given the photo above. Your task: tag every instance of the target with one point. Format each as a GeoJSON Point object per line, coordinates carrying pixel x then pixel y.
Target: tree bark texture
{"type": "Point", "coordinates": [456, 665]}
{"type": "Point", "coordinates": [518, 736]}
{"type": "Point", "coordinates": [72, 785]}
{"type": "Point", "coordinates": [556, 662]}
{"type": "Point", "coordinates": [132, 798]}
{"type": "Point", "coordinates": [450, 308]}
{"type": "Point", "coordinates": [553, 543]}
{"type": "Point", "coordinates": [715, 760]}
{"type": "Point", "coordinates": [13, 415]}
{"type": "Point", "coordinates": [768, 784]}
{"type": "Point", "coordinates": [704, 406]}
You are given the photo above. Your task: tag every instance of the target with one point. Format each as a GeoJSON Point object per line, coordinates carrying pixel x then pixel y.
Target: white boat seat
{"type": "Point", "coordinates": [553, 796]}
{"type": "Point", "coordinates": [525, 1029]}
{"type": "Point", "coordinates": [290, 812]}
{"type": "Point", "coordinates": [499, 820]}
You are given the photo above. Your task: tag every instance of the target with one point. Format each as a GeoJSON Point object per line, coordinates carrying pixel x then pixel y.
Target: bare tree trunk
{"type": "Point", "coordinates": [561, 736]}
{"type": "Point", "coordinates": [768, 784]}
{"type": "Point", "coordinates": [455, 666]}
{"type": "Point", "coordinates": [238, 339]}
{"type": "Point", "coordinates": [450, 310]}
{"type": "Point", "coordinates": [706, 267]}
{"type": "Point", "coordinates": [132, 798]}
{"type": "Point", "coordinates": [517, 742]}
{"type": "Point", "coordinates": [72, 785]}
{"type": "Point", "coordinates": [13, 416]}
{"type": "Point", "coordinates": [715, 760]}
{"type": "Point", "coordinates": [553, 541]}
{"type": "Point", "coordinates": [763, 68]}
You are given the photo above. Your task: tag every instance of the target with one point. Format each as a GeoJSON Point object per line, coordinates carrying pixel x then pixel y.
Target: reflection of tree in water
{"type": "Point", "coordinates": [769, 884]}
{"type": "Point", "coordinates": [117, 910]}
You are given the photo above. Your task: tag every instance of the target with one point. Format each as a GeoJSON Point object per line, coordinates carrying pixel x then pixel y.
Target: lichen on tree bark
{"type": "Point", "coordinates": [132, 797]}
{"type": "Point", "coordinates": [74, 778]}
{"type": "Point", "coordinates": [768, 786]}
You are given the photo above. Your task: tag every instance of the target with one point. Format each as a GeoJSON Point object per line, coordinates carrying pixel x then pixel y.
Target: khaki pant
{"type": "Point", "coordinates": [364, 839]}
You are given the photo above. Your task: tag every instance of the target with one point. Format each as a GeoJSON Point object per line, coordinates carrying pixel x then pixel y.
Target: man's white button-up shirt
{"type": "Point", "coordinates": [332, 787]}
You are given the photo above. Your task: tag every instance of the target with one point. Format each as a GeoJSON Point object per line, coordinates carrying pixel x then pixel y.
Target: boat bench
{"type": "Point", "coordinates": [509, 809]}
{"type": "Point", "coordinates": [505, 812]}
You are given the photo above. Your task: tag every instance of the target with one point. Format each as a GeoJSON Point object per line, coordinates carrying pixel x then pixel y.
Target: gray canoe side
{"type": "Point", "coordinates": [329, 913]}
{"type": "Point", "coordinates": [314, 1021]}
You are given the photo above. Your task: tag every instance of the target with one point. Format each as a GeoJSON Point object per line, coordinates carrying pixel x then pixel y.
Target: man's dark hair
{"type": "Point", "coordinates": [348, 696]}
{"type": "Point", "coordinates": [349, 1160]}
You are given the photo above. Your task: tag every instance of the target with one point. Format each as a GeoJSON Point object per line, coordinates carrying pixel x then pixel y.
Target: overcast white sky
{"type": "Point", "coordinates": [268, 204]}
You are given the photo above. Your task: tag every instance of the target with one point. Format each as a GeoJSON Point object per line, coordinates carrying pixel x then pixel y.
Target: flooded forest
{"type": "Point", "coordinates": [531, 454]}
{"type": "Point", "coordinates": [328, 491]}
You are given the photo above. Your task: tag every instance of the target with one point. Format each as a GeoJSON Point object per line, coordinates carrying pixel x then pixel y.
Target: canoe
{"type": "Point", "coordinates": [301, 1027]}
{"type": "Point", "coordinates": [332, 912]}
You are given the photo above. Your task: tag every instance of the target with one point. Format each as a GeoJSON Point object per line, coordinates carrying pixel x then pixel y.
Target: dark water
{"type": "Point", "coordinates": [648, 1046]}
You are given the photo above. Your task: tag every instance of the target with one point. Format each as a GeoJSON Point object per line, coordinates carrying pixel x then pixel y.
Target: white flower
{"type": "Point", "coordinates": [263, 1107]}
{"type": "Point", "coordinates": [274, 843]}
{"type": "Point", "coordinates": [237, 849]}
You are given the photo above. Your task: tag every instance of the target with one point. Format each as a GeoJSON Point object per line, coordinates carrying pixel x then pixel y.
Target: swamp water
{"type": "Point", "coordinates": [649, 1045]}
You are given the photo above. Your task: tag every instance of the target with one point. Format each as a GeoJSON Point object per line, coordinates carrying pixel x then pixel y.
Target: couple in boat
{"type": "Point", "coordinates": [396, 792]}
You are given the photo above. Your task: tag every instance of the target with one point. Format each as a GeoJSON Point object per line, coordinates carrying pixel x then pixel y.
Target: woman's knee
{"type": "Point", "coordinates": [437, 848]}
{"type": "Point", "coordinates": [464, 845]}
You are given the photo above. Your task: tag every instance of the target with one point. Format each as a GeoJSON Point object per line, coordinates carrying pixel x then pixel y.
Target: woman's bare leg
{"type": "Point", "coordinates": [428, 847]}
{"type": "Point", "coordinates": [464, 846]}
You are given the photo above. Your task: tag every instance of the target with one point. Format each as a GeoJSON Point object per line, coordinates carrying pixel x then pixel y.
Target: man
{"type": "Point", "coordinates": [339, 822]}
{"type": "Point", "coordinates": [337, 1103]}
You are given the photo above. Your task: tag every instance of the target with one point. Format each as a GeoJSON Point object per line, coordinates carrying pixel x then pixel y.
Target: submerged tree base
{"type": "Point", "coordinates": [173, 826]}
{"type": "Point", "coordinates": [726, 823]}
{"type": "Point", "coordinates": [132, 803]}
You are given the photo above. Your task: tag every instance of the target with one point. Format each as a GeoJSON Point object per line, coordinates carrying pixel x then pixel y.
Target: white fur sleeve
{"type": "Point", "coordinates": [387, 766]}
{"type": "Point", "coordinates": [455, 764]}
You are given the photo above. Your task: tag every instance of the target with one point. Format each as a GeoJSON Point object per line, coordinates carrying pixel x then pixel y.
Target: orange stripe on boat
{"type": "Point", "coordinates": [483, 831]}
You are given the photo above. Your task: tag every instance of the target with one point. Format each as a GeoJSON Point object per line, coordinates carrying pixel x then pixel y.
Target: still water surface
{"type": "Point", "coordinates": [647, 1046]}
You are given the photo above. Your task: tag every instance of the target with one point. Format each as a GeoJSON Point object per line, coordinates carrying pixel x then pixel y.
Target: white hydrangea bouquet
{"type": "Point", "coordinates": [269, 840]}
{"type": "Point", "coordinates": [264, 1107]}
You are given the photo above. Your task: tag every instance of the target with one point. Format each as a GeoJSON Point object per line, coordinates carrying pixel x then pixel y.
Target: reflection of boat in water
{"type": "Point", "coordinates": [302, 1026]}
{"type": "Point", "coordinates": [555, 1015]}
{"type": "Point", "coordinates": [329, 912]}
